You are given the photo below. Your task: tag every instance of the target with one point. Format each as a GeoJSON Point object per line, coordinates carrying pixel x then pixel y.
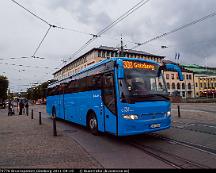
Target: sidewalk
{"type": "Point", "coordinates": [26, 144]}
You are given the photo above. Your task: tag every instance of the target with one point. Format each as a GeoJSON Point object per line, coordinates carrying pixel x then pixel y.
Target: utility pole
{"type": "Point", "coordinates": [122, 48]}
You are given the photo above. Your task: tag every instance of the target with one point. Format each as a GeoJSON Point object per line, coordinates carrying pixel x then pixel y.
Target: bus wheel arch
{"type": "Point", "coordinates": [92, 122]}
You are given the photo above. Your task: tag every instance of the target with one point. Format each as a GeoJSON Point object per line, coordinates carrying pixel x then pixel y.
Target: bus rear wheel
{"type": "Point", "coordinates": [93, 124]}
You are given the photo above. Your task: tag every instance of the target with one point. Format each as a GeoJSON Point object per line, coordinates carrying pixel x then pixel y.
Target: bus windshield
{"type": "Point", "coordinates": [142, 84]}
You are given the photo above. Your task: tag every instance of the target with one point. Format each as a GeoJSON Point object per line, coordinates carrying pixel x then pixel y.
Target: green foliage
{"type": "Point", "coordinates": [38, 92]}
{"type": "Point", "coordinates": [3, 87]}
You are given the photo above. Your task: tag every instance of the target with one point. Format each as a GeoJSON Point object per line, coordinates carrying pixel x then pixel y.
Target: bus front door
{"type": "Point", "coordinates": [109, 100]}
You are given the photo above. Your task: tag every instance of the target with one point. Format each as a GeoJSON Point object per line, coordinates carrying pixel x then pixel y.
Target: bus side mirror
{"type": "Point", "coordinates": [120, 69]}
{"type": "Point", "coordinates": [173, 67]}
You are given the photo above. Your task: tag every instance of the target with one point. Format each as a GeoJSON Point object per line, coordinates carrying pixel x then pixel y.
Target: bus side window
{"type": "Point", "coordinates": [109, 92]}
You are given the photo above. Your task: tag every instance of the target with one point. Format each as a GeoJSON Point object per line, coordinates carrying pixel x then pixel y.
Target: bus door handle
{"type": "Point", "coordinates": [107, 116]}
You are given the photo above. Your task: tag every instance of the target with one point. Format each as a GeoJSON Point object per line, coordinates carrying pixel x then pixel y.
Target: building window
{"type": "Point", "coordinates": [178, 86]}
{"type": "Point", "coordinates": [173, 85]}
{"type": "Point", "coordinates": [201, 85]}
{"type": "Point", "coordinates": [189, 86]}
{"type": "Point", "coordinates": [108, 54]}
{"type": "Point", "coordinates": [196, 84]}
{"type": "Point", "coordinates": [99, 53]}
{"type": "Point", "coordinates": [103, 54]}
{"type": "Point", "coordinates": [183, 86]}
{"type": "Point", "coordinates": [168, 85]}
{"type": "Point", "coordinates": [172, 76]}
{"type": "Point", "coordinates": [167, 76]}
{"type": "Point", "coordinates": [183, 94]}
{"type": "Point", "coordinates": [205, 86]}
{"type": "Point", "coordinates": [189, 76]}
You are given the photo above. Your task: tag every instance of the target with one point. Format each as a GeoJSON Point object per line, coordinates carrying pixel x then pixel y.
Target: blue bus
{"type": "Point", "coordinates": [122, 96]}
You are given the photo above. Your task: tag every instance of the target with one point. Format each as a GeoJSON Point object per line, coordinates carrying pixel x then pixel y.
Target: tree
{"type": "Point", "coordinates": [38, 92]}
{"type": "Point", "coordinates": [3, 87]}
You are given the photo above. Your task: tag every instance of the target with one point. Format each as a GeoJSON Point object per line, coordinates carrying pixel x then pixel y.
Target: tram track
{"type": "Point", "coordinates": [173, 159]}
{"type": "Point", "coordinates": [190, 127]}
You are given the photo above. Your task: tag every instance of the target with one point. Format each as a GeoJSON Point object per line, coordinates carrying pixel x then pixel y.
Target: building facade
{"type": "Point", "coordinates": [98, 54]}
{"type": "Point", "coordinates": [205, 86]}
{"type": "Point", "coordinates": [175, 87]}
{"type": "Point", "coordinates": [204, 80]}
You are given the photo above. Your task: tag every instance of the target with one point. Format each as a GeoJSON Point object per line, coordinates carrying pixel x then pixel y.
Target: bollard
{"type": "Point", "coordinates": [54, 126]}
{"type": "Point", "coordinates": [40, 118]}
{"type": "Point", "coordinates": [32, 114]}
{"type": "Point", "coordinates": [179, 114]}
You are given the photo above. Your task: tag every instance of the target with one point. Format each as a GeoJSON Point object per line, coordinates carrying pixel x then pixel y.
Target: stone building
{"type": "Point", "coordinates": [97, 54]}
{"type": "Point", "coordinates": [185, 88]}
{"type": "Point", "coordinates": [204, 80]}
{"type": "Point", "coordinates": [205, 85]}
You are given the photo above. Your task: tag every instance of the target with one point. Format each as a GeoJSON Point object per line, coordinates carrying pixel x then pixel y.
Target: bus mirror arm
{"type": "Point", "coordinates": [120, 69]}
{"type": "Point", "coordinates": [171, 67]}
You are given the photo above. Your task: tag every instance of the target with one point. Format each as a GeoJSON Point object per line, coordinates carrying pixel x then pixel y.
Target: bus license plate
{"type": "Point", "coordinates": [155, 126]}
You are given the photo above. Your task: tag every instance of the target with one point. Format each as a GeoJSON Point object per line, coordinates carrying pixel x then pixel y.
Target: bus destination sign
{"type": "Point", "coordinates": [138, 65]}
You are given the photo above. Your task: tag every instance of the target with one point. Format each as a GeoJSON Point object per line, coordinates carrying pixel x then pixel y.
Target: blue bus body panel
{"type": "Point", "coordinates": [149, 113]}
{"type": "Point", "coordinates": [76, 107]}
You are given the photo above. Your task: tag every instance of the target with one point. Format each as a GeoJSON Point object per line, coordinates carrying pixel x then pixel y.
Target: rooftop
{"type": "Point", "coordinates": [106, 48]}
{"type": "Point", "coordinates": [197, 69]}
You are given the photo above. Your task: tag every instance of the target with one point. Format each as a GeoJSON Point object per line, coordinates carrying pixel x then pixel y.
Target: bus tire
{"type": "Point", "coordinates": [93, 123]}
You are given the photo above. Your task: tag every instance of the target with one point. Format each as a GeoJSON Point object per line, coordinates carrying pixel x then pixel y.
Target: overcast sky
{"type": "Point", "coordinates": [21, 33]}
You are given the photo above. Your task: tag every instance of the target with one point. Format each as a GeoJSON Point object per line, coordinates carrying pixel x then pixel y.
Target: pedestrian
{"type": "Point", "coordinates": [10, 108]}
{"type": "Point", "coordinates": [21, 106]}
{"type": "Point", "coordinates": [26, 107]}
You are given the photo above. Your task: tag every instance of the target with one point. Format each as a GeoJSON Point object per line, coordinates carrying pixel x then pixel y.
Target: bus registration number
{"type": "Point", "coordinates": [155, 126]}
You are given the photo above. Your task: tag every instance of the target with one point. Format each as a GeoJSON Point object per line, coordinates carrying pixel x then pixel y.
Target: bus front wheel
{"type": "Point", "coordinates": [93, 124]}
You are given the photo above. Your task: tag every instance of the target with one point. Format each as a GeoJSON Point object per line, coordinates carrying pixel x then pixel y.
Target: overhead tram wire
{"type": "Point", "coordinates": [119, 19]}
{"type": "Point", "coordinates": [50, 26]}
{"type": "Point", "coordinates": [45, 21]}
{"type": "Point", "coordinates": [31, 12]}
{"type": "Point", "coordinates": [176, 30]}
{"type": "Point", "coordinates": [41, 41]}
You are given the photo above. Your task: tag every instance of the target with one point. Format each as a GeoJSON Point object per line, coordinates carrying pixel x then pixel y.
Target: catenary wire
{"type": "Point", "coordinates": [42, 41]}
{"type": "Point", "coordinates": [119, 19]}
{"type": "Point", "coordinates": [176, 29]}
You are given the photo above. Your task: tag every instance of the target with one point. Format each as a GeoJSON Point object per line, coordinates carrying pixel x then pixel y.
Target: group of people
{"type": "Point", "coordinates": [22, 106]}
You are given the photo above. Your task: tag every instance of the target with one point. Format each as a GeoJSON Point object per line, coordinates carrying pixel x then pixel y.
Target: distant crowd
{"type": "Point", "coordinates": [21, 104]}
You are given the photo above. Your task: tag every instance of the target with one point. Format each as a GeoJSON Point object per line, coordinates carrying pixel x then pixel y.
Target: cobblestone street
{"type": "Point", "coordinates": [26, 144]}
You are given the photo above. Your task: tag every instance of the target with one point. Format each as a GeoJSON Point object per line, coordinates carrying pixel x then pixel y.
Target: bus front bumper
{"type": "Point", "coordinates": [134, 127]}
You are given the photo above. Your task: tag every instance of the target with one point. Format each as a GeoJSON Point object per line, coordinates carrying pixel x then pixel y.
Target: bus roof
{"type": "Point", "coordinates": [93, 66]}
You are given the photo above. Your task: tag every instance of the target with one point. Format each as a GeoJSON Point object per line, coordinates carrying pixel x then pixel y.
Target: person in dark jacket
{"type": "Point", "coordinates": [21, 106]}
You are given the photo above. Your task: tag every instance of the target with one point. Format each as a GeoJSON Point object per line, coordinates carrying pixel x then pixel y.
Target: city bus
{"type": "Point", "coordinates": [122, 96]}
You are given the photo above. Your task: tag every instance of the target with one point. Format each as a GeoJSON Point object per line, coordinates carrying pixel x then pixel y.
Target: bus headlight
{"type": "Point", "coordinates": [168, 114]}
{"type": "Point", "coordinates": [130, 117]}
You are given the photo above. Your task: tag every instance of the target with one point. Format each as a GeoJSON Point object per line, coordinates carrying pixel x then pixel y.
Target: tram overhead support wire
{"type": "Point", "coordinates": [176, 29]}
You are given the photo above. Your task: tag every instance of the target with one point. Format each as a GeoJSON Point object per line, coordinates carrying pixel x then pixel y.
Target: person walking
{"type": "Point", "coordinates": [21, 106]}
{"type": "Point", "coordinates": [26, 107]}
{"type": "Point", "coordinates": [10, 108]}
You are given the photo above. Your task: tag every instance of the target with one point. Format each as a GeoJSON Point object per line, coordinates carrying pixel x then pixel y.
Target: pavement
{"type": "Point", "coordinates": [26, 144]}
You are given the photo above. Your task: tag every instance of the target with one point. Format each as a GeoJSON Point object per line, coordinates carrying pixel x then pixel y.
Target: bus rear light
{"type": "Point", "coordinates": [130, 117]}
